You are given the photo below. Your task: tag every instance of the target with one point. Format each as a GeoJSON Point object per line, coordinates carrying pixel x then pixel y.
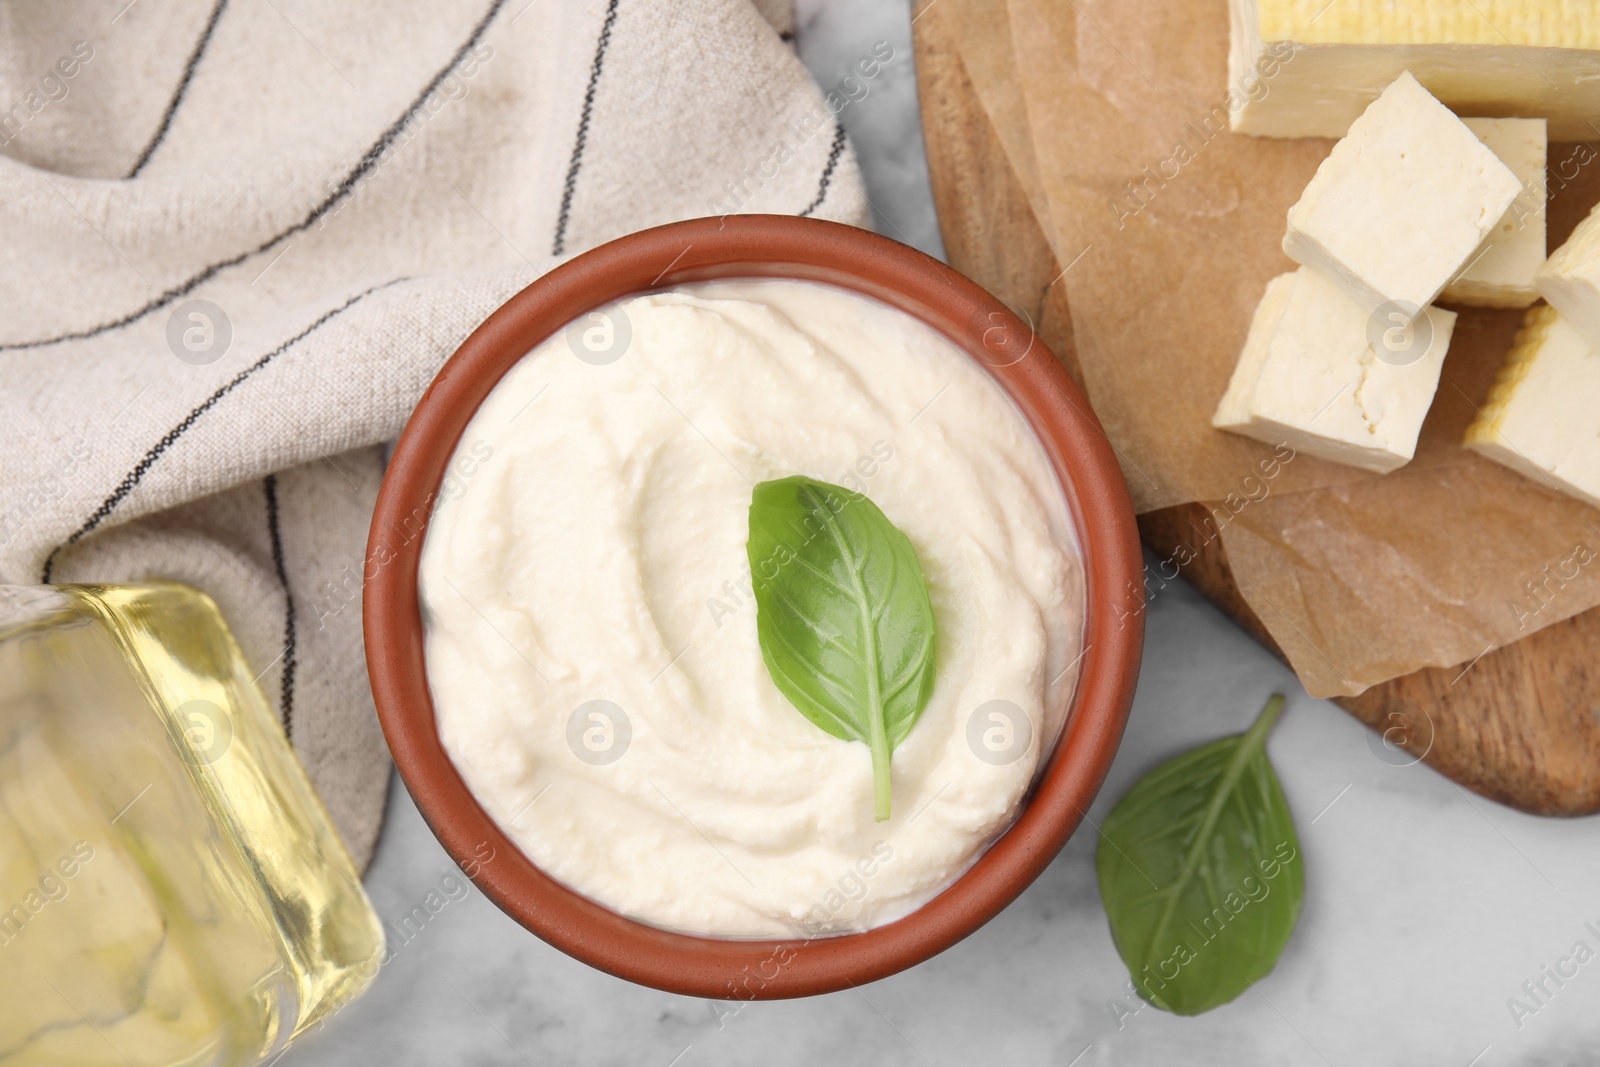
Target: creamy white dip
{"type": "Point", "coordinates": [591, 632]}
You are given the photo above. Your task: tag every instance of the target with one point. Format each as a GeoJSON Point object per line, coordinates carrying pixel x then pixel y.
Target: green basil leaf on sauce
{"type": "Point", "coordinates": [1200, 872]}
{"type": "Point", "coordinates": [843, 615]}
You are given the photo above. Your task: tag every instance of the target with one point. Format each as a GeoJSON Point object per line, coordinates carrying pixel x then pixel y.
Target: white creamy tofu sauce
{"type": "Point", "coordinates": [591, 631]}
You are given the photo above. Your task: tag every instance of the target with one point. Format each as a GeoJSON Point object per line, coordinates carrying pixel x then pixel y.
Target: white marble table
{"type": "Point", "coordinates": [1427, 908]}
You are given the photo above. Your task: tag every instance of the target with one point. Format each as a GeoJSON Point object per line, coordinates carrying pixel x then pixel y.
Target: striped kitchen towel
{"type": "Point", "coordinates": [238, 238]}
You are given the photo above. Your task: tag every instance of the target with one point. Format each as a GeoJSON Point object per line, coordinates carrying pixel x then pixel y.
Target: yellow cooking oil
{"type": "Point", "coordinates": [172, 891]}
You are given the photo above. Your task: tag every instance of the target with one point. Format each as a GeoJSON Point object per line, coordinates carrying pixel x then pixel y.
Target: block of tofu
{"type": "Point", "coordinates": [1310, 375]}
{"type": "Point", "coordinates": [1501, 272]}
{"type": "Point", "coordinates": [1570, 280]}
{"type": "Point", "coordinates": [1401, 203]}
{"type": "Point", "coordinates": [1322, 63]}
{"type": "Point", "coordinates": [1542, 418]}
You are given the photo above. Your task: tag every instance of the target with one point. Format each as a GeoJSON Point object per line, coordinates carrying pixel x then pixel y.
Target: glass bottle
{"type": "Point", "coordinates": [171, 889]}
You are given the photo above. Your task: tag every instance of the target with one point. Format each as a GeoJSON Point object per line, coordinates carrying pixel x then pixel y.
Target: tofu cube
{"type": "Point", "coordinates": [1333, 380]}
{"type": "Point", "coordinates": [1501, 272]}
{"type": "Point", "coordinates": [1571, 278]}
{"type": "Point", "coordinates": [1542, 418]}
{"type": "Point", "coordinates": [1401, 203]}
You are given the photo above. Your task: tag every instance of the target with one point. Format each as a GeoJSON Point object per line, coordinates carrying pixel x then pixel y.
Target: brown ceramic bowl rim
{"type": "Point", "coordinates": [750, 246]}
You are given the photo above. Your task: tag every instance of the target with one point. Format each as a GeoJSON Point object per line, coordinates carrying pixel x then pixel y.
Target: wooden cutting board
{"type": "Point", "coordinates": [1522, 726]}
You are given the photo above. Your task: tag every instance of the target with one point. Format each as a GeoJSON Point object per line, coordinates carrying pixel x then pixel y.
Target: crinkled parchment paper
{"type": "Point", "coordinates": [1114, 116]}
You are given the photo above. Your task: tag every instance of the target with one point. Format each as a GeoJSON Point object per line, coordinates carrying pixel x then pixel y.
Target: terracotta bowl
{"type": "Point", "coordinates": [767, 246]}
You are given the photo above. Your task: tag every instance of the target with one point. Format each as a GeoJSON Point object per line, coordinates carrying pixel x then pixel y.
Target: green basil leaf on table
{"type": "Point", "coordinates": [843, 615]}
{"type": "Point", "coordinates": [1200, 872]}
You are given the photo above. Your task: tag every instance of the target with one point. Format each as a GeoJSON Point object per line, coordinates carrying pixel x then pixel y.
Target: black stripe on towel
{"type": "Point", "coordinates": [140, 469]}
{"type": "Point", "coordinates": [270, 484]}
{"type": "Point", "coordinates": [834, 153]}
{"type": "Point", "coordinates": [183, 87]}
{"type": "Point", "coordinates": [345, 188]}
{"type": "Point", "coordinates": [559, 245]}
